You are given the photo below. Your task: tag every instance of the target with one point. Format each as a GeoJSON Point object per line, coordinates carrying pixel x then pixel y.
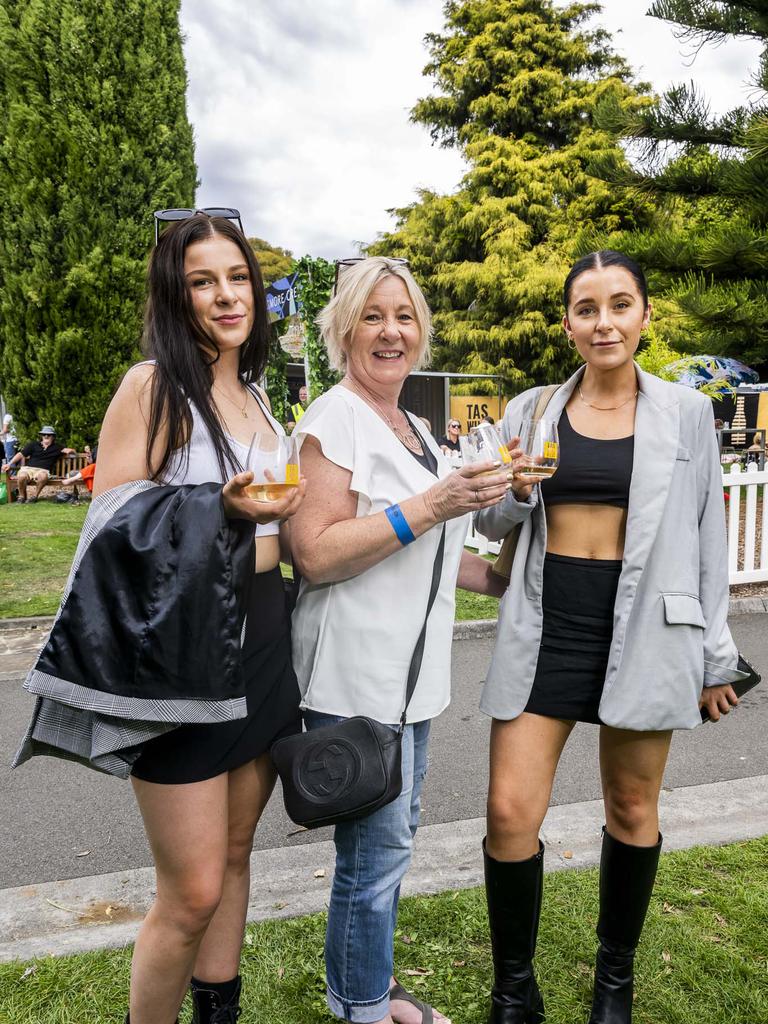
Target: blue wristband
{"type": "Point", "coordinates": [399, 524]}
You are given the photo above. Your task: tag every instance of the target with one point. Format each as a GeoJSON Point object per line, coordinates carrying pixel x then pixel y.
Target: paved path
{"type": "Point", "coordinates": [61, 821]}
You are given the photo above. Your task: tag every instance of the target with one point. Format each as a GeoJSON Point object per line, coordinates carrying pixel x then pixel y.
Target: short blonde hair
{"type": "Point", "coordinates": [339, 318]}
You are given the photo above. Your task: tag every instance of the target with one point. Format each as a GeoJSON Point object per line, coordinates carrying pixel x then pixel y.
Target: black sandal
{"type": "Point", "coordinates": [398, 992]}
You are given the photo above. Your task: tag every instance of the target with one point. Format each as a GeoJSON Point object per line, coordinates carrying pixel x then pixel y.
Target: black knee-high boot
{"type": "Point", "coordinates": [215, 1004]}
{"type": "Point", "coordinates": [513, 889]}
{"type": "Point", "coordinates": [627, 874]}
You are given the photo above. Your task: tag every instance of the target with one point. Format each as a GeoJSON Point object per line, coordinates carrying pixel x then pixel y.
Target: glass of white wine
{"type": "Point", "coordinates": [483, 444]}
{"type": "Point", "coordinates": [274, 462]}
{"type": "Point", "coordinates": [541, 448]}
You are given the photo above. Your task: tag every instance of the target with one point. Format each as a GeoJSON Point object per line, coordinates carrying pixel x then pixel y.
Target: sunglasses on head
{"type": "Point", "coordinates": [164, 216]}
{"type": "Point", "coordinates": [342, 265]}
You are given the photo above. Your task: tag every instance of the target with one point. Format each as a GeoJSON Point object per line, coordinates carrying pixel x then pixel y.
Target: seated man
{"type": "Point", "coordinates": [40, 458]}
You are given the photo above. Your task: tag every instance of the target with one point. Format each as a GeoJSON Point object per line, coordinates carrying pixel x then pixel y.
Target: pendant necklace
{"type": "Point", "coordinates": [605, 408]}
{"type": "Point", "coordinates": [242, 411]}
{"type": "Point", "coordinates": [406, 436]}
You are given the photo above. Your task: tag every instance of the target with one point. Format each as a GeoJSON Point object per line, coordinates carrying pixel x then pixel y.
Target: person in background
{"type": "Point", "coordinates": [450, 442]}
{"type": "Point", "coordinates": [299, 408]}
{"type": "Point", "coordinates": [8, 437]}
{"type": "Point", "coordinates": [40, 458]}
{"type": "Point", "coordinates": [84, 476]}
{"type": "Point", "coordinates": [488, 419]}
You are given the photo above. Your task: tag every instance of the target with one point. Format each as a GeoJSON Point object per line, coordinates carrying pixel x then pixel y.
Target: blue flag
{"type": "Point", "coordinates": [281, 298]}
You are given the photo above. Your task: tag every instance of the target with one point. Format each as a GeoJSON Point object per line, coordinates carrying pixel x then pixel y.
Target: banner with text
{"type": "Point", "coordinates": [470, 409]}
{"type": "Point", "coordinates": [281, 298]}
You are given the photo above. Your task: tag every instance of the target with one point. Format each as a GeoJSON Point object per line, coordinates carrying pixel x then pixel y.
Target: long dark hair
{"type": "Point", "coordinates": [606, 258]}
{"type": "Point", "coordinates": [175, 339]}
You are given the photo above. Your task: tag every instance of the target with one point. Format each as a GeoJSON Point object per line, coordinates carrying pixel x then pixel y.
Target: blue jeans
{"type": "Point", "coordinates": [372, 855]}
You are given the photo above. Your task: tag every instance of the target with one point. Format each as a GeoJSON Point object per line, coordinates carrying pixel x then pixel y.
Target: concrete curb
{"type": "Point", "coordinates": [104, 911]}
{"type": "Point", "coordinates": [40, 622]}
{"type": "Point", "coordinates": [467, 630]}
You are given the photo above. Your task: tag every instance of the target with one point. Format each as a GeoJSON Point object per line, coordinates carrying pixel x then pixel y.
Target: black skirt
{"type": "Point", "coordinates": [193, 753]}
{"type": "Point", "coordinates": [577, 598]}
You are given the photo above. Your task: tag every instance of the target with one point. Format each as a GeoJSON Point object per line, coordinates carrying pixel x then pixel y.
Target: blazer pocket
{"type": "Point", "coordinates": [683, 609]}
{"type": "Point", "coordinates": [683, 454]}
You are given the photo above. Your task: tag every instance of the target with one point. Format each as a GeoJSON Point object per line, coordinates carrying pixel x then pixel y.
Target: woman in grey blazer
{"type": "Point", "coordinates": [615, 614]}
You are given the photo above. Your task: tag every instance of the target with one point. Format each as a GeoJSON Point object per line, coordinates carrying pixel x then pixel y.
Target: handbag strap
{"type": "Point", "coordinates": [418, 653]}
{"type": "Point", "coordinates": [547, 393]}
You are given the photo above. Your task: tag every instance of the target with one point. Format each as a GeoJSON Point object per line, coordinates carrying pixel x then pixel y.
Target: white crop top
{"type": "Point", "coordinates": [202, 466]}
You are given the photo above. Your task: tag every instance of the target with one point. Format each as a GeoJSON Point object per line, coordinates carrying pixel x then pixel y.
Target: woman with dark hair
{"type": "Point", "coordinates": [201, 789]}
{"type": "Point", "coordinates": [616, 614]}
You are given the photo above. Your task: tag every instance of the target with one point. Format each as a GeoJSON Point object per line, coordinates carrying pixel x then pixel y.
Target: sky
{"type": "Point", "coordinates": [300, 108]}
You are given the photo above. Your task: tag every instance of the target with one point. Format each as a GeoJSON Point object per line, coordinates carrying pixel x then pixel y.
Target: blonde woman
{"type": "Point", "coordinates": [378, 493]}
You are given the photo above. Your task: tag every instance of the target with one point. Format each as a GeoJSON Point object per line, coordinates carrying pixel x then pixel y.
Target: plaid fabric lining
{"type": "Point", "coordinates": [100, 730]}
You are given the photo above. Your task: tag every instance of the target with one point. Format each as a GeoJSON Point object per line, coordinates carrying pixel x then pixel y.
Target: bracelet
{"type": "Point", "coordinates": [399, 524]}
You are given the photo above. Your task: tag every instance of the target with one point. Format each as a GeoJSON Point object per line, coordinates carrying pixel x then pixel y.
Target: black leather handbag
{"type": "Point", "coordinates": [351, 769]}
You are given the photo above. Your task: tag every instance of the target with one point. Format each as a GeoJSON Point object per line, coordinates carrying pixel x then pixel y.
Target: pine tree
{"type": "Point", "coordinates": [709, 175]}
{"type": "Point", "coordinates": [93, 137]}
{"type": "Point", "coordinates": [518, 82]}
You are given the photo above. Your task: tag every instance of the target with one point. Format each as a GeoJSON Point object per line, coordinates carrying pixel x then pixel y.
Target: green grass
{"type": "Point", "coordinates": [37, 544]}
{"type": "Point", "coordinates": [703, 958]}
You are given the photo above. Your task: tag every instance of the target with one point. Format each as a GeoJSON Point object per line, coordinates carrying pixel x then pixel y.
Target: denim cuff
{"type": "Point", "coordinates": [359, 1013]}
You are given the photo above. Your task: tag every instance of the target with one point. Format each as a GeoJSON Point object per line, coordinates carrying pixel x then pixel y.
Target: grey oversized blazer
{"type": "Point", "coordinates": [670, 630]}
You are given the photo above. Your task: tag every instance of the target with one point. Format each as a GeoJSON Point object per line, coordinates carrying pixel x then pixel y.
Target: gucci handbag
{"type": "Point", "coordinates": [351, 769]}
{"type": "Point", "coordinates": [503, 564]}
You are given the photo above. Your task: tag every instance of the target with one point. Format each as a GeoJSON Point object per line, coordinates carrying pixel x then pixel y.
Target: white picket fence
{"type": "Point", "coordinates": [747, 541]}
{"type": "Point", "coordinates": [747, 544]}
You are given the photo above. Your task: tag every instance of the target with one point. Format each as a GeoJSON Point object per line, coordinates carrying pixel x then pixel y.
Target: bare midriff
{"type": "Point", "coordinates": [586, 531]}
{"type": "Point", "coordinates": [267, 552]}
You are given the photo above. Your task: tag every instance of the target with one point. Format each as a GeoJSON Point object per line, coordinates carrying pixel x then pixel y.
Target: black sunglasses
{"type": "Point", "coordinates": [342, 265]}
{"type": "Point", "coordinates": [227, 212]}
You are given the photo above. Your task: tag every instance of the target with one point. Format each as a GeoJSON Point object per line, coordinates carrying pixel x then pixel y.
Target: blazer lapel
{"type": "Point", "coordinates": [657, 428]}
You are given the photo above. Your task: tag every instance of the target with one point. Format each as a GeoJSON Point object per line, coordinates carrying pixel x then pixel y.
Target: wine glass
{"type": "Point", "coordinates": [541, 448]}
{"type": "Point", "coordinates": [274, 461]}
{"type": "Point", "coordinates": [483, 444]}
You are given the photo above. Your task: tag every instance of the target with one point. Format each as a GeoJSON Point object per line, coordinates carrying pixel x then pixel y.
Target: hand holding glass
{"type": "Point", "coordinates": [274, 461]}
{"type": "Point", "coordinates": [541, 449]}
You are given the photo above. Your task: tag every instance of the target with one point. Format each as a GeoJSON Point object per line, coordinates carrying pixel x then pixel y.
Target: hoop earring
{"type": "Point", "coordinates": [570, 341]}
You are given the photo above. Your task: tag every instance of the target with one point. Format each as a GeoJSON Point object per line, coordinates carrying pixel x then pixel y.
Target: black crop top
{"type": "Point", "coordinates": [591, 471]}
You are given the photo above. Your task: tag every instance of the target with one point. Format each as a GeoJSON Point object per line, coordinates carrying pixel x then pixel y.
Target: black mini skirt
{"type": "Point", "coordinates": [578, 598]}
{"type": "Point", "coordinates": [193, 753]}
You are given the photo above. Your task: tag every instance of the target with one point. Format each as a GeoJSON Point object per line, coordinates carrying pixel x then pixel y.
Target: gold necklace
{"type": "Point", "coordinates": [242, 411]}
{"type": "Point", "coordinates": [605, 408]}
{"type": "Point", "coordinates": [406, 436]}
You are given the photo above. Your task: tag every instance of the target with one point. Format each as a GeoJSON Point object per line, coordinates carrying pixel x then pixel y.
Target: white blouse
{"type": "Point", "coordinates": [353, 640]}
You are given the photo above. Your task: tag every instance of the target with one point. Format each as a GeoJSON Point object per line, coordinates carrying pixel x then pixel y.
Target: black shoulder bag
{"type": "Point", "coordinates": [351, 769]}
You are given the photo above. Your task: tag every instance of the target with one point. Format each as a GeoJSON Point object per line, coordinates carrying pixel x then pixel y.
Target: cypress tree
{"type": "Point", "coordinates": [708, 174]}
{"type": "Point", "coordinates": [93, 137]}
{"type": "Point", "coordinates": [517, 82]}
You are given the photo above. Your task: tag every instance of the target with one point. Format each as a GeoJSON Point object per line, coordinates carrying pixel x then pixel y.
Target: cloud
{"type": "Point", "coordinates": [301, 110]}
{"type": "Point", "coordinates": [301, 115]}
